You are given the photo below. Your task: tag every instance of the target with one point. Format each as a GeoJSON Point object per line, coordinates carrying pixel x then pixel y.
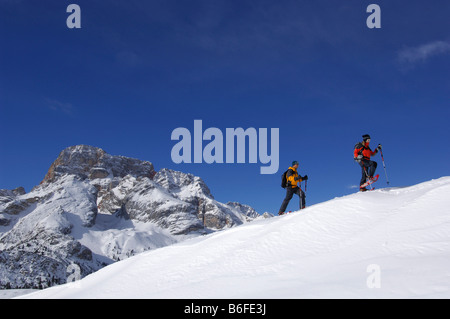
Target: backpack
{"type": "Point", "coordinates": [359, 145]}
{"type": "Point", "coordinates": [284, 181]}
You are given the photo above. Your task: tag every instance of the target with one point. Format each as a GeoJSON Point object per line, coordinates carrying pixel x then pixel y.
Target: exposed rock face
{"type": "Point", "coordinates": [14, 192]}
{"type": "Point", "coordinates": [92, 162]}
{"type": "Point", "coordinates": [93, 208]}
{"type": "Point", "coordinates": [37, 240]}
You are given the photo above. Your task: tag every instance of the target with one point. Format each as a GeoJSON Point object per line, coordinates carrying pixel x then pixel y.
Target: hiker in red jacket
{"type": "Point", "coordinates": [362, 154]}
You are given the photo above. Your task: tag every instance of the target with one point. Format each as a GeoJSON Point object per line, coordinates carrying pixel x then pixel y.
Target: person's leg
{"type": "Point", "coordinates": [289, 194]}
{"type": "Point", "coordinates": [363, 173]}
{"type": "Point", "coordinates": [372, 168]}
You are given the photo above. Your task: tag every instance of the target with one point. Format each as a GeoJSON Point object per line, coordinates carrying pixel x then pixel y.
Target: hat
{"type": "Point", "coordinates": [366, 137]}
{"type": "Point", "coordinates": [294, 163]}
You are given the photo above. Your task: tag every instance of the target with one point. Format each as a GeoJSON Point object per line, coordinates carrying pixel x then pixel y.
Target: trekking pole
{"type": "Point", "coordinates": [301, 201]}
{"type": "Point", "coordinates": [300, 196]}
{"type": "Point", "coordinates": [306, 185]}
{"type": "Point", "coordinates": [384, 165]}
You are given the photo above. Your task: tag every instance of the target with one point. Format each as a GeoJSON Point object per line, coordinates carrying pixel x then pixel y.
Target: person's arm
{"type": "Point", "coordinates": [376, 150]}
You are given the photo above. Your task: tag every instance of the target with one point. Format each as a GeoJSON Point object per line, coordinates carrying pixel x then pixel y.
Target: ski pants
{"type": "Point", "coordinates": [368, 168]}
{"type": "Point", "coordinates": [289, 193]}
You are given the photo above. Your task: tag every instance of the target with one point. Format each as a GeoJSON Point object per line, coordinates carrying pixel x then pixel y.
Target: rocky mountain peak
{"type": "Point", "coordinates": [175, 182]}
{"type": "Point", "coordinates": [92, 162]}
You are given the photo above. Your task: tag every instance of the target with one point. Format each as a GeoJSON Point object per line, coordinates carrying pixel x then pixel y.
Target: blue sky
{"type": "Point", "coordinates": [137, 70]}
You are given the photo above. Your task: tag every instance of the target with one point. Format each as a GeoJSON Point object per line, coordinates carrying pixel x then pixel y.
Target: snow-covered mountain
{"type": "Point", "coordinates": [93, 209]}
{"type": "Point", "coordinates": [389, 243]}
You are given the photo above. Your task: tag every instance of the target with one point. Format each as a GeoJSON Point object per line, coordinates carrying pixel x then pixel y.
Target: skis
{"type": "Point", "coordinates": [369, 181]}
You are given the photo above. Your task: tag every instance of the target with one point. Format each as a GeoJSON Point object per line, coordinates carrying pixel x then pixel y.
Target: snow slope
{"type": "Point", "coordinates": [389, 243]}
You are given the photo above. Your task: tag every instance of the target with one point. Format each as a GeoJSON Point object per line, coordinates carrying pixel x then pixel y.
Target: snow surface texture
{"type": "Point", "coordinates": [389, 243]}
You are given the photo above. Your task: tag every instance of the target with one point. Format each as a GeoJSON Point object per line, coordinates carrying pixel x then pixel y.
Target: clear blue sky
{"type": "Point", "coordinates": [137, 70]}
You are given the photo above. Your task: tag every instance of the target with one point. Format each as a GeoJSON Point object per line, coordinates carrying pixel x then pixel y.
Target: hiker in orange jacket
{"type": "Point", "coordinates": [293, 178]}
{"type": "Point", "coordinates": [362, 154]}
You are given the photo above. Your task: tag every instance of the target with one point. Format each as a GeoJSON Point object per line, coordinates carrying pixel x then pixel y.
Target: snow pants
{"type": "Point", "coordinates": [368, 168]}
{"type": "Point", "coordinates": [289, 193]}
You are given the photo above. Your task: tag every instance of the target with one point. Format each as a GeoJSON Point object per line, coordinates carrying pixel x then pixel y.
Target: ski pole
{"type": "Point", "coordinates": [300, 193]}
{"type": "Point", "coordinates": [300, 196]}
{"type": "Point", "coordinates": [384, 165]}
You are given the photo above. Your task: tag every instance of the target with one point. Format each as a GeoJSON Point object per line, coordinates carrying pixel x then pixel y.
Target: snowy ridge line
{"type": "Point", "coordinates": [390, 243]}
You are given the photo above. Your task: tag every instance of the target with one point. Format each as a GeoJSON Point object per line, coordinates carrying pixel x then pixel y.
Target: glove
{"type": "Point", "coordinates": [305, 178]}
{"type": "Point", "coordinates": [379, 147]}
{"type": "Point", "coordinates": [358, 158]}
